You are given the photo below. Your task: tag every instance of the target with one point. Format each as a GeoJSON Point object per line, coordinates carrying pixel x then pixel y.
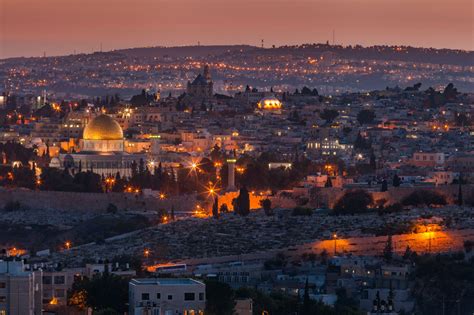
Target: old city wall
{"type": "Point", "coordinates": [98, 202]}
{"type": "Point", "coordinates": [92, 201]}
{"type": "Point", "coordinates": [329, 196]}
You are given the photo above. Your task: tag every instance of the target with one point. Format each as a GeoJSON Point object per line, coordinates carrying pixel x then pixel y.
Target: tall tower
{"type": "Point", "coordinates": [231, 173]}
{"type": "Point", "coordinates": [207, 73]}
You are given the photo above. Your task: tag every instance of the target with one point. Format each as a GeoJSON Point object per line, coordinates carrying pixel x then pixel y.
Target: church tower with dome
{"type": "Point", "coordinates": [101, 150]}
{"type": "Point", "coordinates": [202, 86]}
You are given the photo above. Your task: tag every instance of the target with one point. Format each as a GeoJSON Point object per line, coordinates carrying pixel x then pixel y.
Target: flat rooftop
{"type": "Point", "coordinates": [165, 281]}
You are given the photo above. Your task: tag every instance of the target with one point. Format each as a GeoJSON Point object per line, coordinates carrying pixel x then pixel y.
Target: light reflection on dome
{"type": "Point", "coordinates": [270, 103]}
{"type": "Point", "coordinates": [103, 127]}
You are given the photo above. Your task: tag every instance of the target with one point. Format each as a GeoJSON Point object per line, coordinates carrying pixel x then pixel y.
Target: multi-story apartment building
{"type": "Point", "coordinates": [20, 289]}
{"type": "Point", "coordinates": [166, 296]}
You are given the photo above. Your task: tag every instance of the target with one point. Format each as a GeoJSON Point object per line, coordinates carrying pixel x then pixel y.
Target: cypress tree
{"type": "Point", "coordinates": [215, 208]}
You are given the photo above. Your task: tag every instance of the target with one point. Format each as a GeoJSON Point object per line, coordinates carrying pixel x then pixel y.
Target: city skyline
{"type": "Point", "coordinates": [30, 28]}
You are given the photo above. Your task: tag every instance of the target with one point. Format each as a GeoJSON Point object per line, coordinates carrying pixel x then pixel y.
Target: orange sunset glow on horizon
{"type": "Point", "coordinates": [58, 27]}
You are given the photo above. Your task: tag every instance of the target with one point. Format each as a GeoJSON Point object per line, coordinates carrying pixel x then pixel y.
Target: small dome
{"type": "Point", "coordinates": [103, 127]}
{"type": "Point", "coordinates": [269, 102]}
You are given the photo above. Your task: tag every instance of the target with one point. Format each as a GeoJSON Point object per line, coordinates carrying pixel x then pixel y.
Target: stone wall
{"type": "Point", "coordinates": [59, 200]}
{"type": "Point", "coordinates": [329, 196]}
{"type": "Point", "coordinates": [133, 202]}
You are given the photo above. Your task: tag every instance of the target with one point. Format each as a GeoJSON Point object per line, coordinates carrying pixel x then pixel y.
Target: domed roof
{"type": "Point", "coordinates": [103, 127]}
{"type": "Point", "coordinates": [269, 102]}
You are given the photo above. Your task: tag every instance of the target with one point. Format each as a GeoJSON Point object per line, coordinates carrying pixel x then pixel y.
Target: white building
{"type": "Point", "coordinates": [166, 296]}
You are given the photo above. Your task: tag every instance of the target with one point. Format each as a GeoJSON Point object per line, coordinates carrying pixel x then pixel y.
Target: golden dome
{"type": "Point", "coordinates": [270, 103]}
{"type": "Point", "coordinates": [103, 127]}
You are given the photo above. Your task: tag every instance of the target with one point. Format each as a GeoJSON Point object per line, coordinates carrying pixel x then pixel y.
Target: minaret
{"type": "Point", "coordinates": [231, 172]}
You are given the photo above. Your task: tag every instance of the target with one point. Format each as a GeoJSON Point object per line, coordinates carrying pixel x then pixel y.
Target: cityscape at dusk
{"type": "Point", "coordinates": [236, 157]}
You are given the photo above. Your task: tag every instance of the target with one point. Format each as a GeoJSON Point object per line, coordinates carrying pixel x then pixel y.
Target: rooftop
{"type": "Point", "coordinates": [165, 281]}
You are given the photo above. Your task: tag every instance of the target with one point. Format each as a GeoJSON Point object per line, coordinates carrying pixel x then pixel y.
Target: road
{"type": "Point", "coordinates": [434, 242]}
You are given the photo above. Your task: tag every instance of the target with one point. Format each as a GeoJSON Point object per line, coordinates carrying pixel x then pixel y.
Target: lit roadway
{"type": "Point", "coordinates": [435, 242]}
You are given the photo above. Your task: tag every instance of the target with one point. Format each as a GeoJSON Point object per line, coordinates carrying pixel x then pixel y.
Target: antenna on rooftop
{"type": "Point", "coordinates": [100, 46]}
{"type": "Point", "coordinates": [262, 43]}
{"type": "Point", "coordinates": [199, 43]}
{"type": "Point", "coordinates": [333, 37]}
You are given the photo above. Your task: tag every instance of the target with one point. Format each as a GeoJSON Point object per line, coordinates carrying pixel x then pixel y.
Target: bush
{"type": "Point", "coordinates": [468, 246]}
{"type": "Point", "coordinates": [278, 262]}
{"type": "Point", "coordinates": [111, 208]}
{"type": "Point", "coordinates": [12, 206]}
{"type": "Point", "coordinates": [393, 208]}
{"type": "Point", "coordinates": [266, 204]}
{"type": "Point", "coordinates": [356, 201]}
{"type": "Point", "coordinates": [424, 198]}
{"type": "Point", "coordinates": [302, 211]}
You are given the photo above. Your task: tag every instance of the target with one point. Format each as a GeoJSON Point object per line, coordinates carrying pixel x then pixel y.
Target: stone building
{"type": "Point", "coordinates": [202, 86]}
{"type": "Point", "coordinates": [102, 150]}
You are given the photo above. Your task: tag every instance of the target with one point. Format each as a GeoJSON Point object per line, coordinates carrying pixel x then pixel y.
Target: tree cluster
{"type": "Point", "coordinates": [353, 202]}
{"type": "Point", "coordinates": [424, 198]}
{"type": "Point", "coordinates": [104, 291]}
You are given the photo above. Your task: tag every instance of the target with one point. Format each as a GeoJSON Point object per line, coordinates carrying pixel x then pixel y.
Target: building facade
{"type": "Point", "coordinates": [20, 289]}
{"type": "Point", "coordinates": [166, 296]}
{"type": "Point", "coordinates": [102, 150]}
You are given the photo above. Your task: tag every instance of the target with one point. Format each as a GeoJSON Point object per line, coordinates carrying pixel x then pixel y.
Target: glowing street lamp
{"type": "Point", "coordinates": [151, 164]}
{"type": "Point", "coordinates": [328, 168]}
{"type": "Point", "coordinates": [428, 229]}
{"type": "Point", "coordinates": [334, 236]}
{"type": "Point", "coordinates": [212, 190]}
{"type": "Point", "coordinates": [67, 245]}
{"type": "Point", "coordinates": [146, 253]}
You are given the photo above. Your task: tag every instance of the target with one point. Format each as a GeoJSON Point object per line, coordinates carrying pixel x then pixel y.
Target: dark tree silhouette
{"type": "Point", "coordinates": [396, 181]}
{"type": "Point", "coordinates": [329, 115]}
{"type": "Point", "coordinates": [384, 186]}
{"type": "Point", "coordinates": [215, 208]}
{"type": "Point", "coordinates": [365, 116]}
{"type": "Point", "coordinates": [243, 202]}
{"type": "Point", "coordinates": [352, 202]}
{"type": "Point", "coordinates": [388, 250]}
{"type": "Point", "coordinates": [267, 206]}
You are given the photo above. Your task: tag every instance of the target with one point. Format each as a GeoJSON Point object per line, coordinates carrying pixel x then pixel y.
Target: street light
{"type": "Point", "coordinates": [334, 236]}
{"type": "Point", "coordinates": [67, 244]}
